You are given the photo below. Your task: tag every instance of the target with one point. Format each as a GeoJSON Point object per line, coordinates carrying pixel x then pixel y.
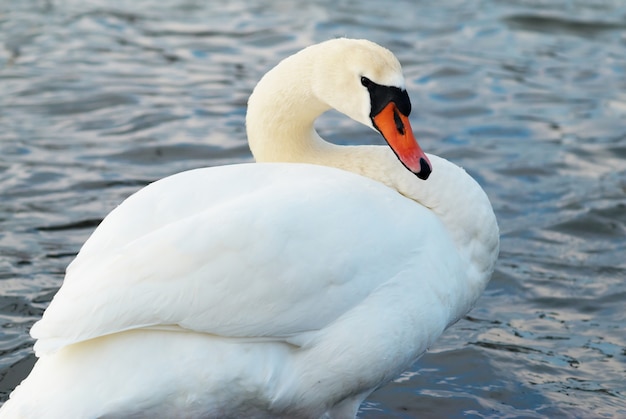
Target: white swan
{"type": "Point", "coordinates": [289, 288]}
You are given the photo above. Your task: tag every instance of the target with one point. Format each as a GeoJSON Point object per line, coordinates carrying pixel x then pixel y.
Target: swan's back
{"type": "Point", "coordinates": [238, 273]}
{"type": "Point", "coordinates": [236, 238]}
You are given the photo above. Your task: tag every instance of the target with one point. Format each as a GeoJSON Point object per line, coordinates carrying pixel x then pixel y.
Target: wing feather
{"type": "Point", "coordinates": [262, 250]}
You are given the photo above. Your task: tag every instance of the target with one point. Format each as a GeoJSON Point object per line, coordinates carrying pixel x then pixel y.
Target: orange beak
{"type": "Point", "coordinates": [396, 129]}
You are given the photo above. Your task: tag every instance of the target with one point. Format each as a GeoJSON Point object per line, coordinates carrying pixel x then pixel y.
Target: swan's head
{"type": "Point", "coordinates": [364, 81]}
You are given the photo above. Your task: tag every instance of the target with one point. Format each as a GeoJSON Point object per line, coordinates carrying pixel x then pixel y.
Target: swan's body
{"type": "Point", "coordinates": [282, 289]}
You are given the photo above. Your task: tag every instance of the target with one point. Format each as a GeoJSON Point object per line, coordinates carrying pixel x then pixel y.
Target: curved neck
{"type": "Point", "coordinates": [281, 114]}
{"type": "Point", "coordinates": [280, 125]}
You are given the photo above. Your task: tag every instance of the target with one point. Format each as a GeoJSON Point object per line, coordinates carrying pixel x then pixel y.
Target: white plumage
{"type": "Point", "coordinates": [278, 289]}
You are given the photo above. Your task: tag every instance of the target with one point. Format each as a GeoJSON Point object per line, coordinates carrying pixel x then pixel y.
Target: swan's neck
{"type": "Point", "coordinates": [281, 114]}
{"type": "Point", "coordinates": [280, 125]}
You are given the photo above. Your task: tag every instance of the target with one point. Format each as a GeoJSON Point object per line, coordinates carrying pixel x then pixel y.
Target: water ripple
{"type": "Point", "coordinates": [100, 98]}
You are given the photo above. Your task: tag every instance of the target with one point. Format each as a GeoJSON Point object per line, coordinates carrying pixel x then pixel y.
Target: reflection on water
{"type": "Point", "coordinates": [100, 98]}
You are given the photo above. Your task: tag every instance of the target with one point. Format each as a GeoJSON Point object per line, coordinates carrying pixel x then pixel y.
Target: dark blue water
{"type": "Point", "coordinates": [99, 98]}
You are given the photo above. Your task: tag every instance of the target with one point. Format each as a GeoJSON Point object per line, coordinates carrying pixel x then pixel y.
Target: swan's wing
{"type": "Point", "coordinates": [247, 251]}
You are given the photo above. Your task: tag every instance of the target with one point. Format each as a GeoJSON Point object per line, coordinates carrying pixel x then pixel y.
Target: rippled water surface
{"type": "Point", "coordinates": [98, 98]}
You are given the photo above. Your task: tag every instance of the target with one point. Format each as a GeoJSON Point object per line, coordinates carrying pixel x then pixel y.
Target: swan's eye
{"type": "Point", "coordinates": [365, 81]}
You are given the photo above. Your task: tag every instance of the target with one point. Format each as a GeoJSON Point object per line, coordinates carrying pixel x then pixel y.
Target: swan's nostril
{"type": "Point", "coordinates": [425, 169]}
{"type": "Point", "coordinates": [398, 121]}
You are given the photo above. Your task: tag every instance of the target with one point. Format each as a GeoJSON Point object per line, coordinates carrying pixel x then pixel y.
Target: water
{"type": "Point", "coordinates": [100, 98]}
